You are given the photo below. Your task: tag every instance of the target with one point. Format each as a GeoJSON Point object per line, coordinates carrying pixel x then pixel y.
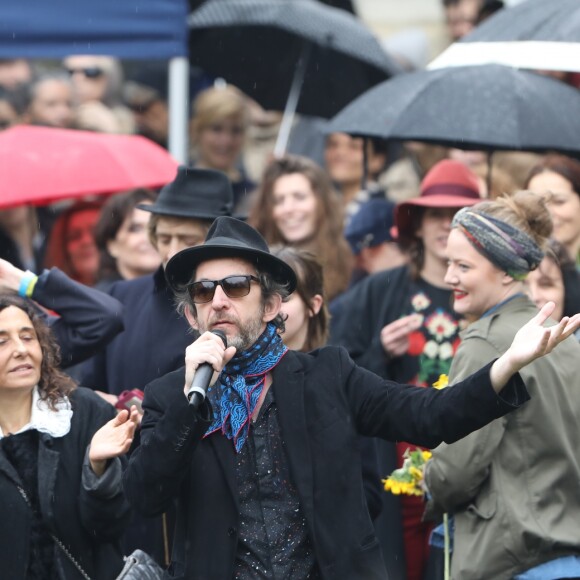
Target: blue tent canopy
{"type": "Point", "coordinates": [131, 29]}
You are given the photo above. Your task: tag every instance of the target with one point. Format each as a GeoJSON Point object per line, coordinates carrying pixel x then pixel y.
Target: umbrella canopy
{"type": "Point", "coordinates": [256, 45]}
{"type": "Point", "coordinates": [489, 107]}
{"type": "Point", "coordinates": [41, 164]}
{"type": "Point", "coordinates": [535, 34]}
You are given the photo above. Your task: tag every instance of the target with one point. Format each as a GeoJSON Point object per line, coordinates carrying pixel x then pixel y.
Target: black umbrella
{"type": "Point", "coordinates": [488, 107]}
{"type": "Point", "coordinates": [552, 20]}
{"type": "Point", "coordinates": [292, 55]}
{"type": "Point", "coordinates": [536, 34]}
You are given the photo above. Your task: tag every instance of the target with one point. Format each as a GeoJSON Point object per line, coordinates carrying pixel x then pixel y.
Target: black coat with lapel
{"type": "Point", "coordinates": [88, 522]}
{"type": "Point", "coordinates": [323, 401]}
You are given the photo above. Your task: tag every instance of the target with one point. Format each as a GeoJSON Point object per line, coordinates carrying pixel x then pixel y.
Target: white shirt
{"type": "Point", "coordinates": [42, 418]}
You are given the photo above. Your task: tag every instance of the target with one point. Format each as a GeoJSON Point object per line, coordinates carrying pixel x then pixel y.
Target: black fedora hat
{"type": "Point", "coordinates": [228, 237]}
{"type": "Point", "coordinates": [196, 194]}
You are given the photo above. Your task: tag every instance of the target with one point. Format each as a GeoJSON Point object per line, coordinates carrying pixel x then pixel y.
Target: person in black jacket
{"type": "Point", "coordinates": [266, 470]}
{"type": "Point", "coordinates": [63, 509]}
{"type": "Point", "coordinates": [82, 319]}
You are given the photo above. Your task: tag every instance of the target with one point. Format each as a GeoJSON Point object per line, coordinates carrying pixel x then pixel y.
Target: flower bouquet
{"type": "Point", "coordinates": [407, 479]}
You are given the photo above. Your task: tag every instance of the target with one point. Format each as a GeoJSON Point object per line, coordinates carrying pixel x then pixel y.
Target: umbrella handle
{"type": "Point", "coordinates": [292, 101]}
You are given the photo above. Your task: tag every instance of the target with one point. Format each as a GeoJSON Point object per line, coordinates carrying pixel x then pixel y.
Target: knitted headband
{"type": "Point", "coordinates": [505, 246]}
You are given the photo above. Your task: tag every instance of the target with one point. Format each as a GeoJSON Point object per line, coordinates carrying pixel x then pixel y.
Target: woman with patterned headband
{"type": "Point", "coordinates": [513, 485]}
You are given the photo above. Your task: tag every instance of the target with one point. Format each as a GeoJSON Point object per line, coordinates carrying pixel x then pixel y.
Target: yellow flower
{"type": "Point", "coordinates": [416, 473]}
{"type": "Point", "coordinates": [442, 382]}
{"type": "Point", "coordinates": [406, 480]}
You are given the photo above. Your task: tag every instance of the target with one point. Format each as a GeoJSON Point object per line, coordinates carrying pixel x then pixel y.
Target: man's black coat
{"type": "Point", "coordinates": [323, 401]}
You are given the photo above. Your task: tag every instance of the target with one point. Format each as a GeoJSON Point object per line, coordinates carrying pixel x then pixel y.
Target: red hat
{"type": "Point", "coordinates": [448, 184]}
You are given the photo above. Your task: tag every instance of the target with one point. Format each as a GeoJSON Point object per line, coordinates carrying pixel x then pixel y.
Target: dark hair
{"type": "Point", "coordinates": [558, 254]}
{"type": "Point", "coordinates": [113, 215]}
{"type": "Point", "coordinates": [329, 244]}
{"type": "Point", "coordinates": [413, 245]}
{"type": "Point", "coordinates": [310, 278]}
{"type": "Point", "coordinates": [565, 167]}
{"type": "Point", "coordinates": [16, 98]}
{"type": "Point", "coordinates": [32, 87]}
{"type": "Point", "coordinates": [53, 384]}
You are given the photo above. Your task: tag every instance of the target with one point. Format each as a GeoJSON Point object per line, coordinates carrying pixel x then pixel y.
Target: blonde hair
{"type": "Point", "coordinates": [216, 104]}
{"type": "Point", "coordinates": [524, 210]}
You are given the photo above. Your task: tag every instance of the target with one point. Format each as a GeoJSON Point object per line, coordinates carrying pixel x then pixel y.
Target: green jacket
{"type": "Point", "coordinates": [514, 485]}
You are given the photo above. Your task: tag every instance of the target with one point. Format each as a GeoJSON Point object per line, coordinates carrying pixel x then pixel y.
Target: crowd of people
{"type": "Point", "coordinates": [347, 279]}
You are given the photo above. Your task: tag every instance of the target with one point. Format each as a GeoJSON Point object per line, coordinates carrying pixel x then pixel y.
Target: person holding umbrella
{"type": "Point", "coordinates": [265, 467]}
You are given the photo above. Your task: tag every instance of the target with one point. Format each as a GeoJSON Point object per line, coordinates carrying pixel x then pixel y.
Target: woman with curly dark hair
{"type": "Point", "coordinates": [63, 509]}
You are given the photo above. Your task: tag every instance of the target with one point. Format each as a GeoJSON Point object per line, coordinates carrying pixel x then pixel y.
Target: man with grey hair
{"type": "Point", "coordinates": [266, 469]}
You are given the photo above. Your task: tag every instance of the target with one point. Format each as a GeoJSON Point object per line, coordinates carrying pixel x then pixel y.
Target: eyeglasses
{"type": "Point", "coordinates": [91, 72]}
{"type": "Point", "coordinates": [234, 287]}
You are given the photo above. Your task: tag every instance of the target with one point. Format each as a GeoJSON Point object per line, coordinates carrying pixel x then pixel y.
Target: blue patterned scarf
{"type": "Point", "coordinates": [234, 396]}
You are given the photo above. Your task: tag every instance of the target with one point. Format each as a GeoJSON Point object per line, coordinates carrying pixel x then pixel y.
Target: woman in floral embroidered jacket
{"type": "Point", "coordinates": [63, 508]}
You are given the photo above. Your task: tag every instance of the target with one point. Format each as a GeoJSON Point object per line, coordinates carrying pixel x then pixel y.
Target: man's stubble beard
{"type": "Point", "coordinates": [247, 334]}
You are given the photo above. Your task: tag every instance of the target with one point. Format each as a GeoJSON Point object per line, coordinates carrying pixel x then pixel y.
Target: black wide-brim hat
{"type": "Point", "coordinates": [194, 194]}
{"type": "Point", "coordinates": [229, 238]}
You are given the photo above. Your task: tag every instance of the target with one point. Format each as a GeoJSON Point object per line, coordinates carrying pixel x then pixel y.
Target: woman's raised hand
{"type": "Point", "coordinates": [532, 341]}
{"type": "Point", "coordinates": [113, 439]}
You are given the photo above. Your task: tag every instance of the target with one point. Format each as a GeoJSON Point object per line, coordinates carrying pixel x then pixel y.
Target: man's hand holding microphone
{"type": "Point", "coordinates": [204, 360]}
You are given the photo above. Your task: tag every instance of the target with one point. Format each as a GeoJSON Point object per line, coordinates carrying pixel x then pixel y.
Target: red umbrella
{"type": "Point", "coordinates": [41, 164]}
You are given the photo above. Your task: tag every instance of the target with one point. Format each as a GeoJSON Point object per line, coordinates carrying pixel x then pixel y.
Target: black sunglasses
{"type": "Point", "coordinates": [234, 287]}
{"type": "Point", "coordinates": [91, 72]}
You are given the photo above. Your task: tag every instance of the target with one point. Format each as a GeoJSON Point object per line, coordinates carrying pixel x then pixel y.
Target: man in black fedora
{"type": "Point", "coordinates": [180, 218]}
{"type": "Point", "coordinates": [266, 471]}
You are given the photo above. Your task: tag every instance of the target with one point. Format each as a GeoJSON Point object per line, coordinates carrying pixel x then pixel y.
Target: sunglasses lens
{"type": "Point", "coordinates": [202, 292]}
{"type": "Point", "coordinates": [236, 286]}
{"type": "Point", "coordinates": [93, 72]}
{"type": "Point", "coordinates": [233, 286]}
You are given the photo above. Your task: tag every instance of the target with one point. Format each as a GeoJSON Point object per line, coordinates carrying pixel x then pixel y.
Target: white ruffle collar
{"type": "Point", "coordinates": [42, 418]}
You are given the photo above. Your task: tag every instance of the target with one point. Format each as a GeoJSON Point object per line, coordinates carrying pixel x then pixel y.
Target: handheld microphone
{"type": "Point", "coordinates": [202, 377]}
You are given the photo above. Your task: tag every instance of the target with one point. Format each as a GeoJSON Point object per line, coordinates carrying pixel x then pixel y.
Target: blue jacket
{"type": "Point", "coordinates": [86, 319]}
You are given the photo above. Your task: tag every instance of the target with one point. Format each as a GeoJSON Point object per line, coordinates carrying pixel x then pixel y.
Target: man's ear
{"type": "Point", "coordinates": [272, 307]}
{"type": "Point", "coordinates": [190, 318]}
